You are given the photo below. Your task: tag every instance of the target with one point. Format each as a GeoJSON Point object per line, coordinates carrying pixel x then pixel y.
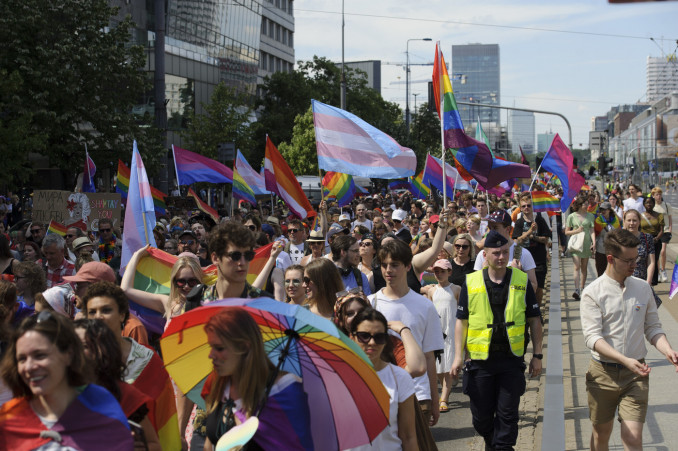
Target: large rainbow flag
{"type": "Point", "coordinates": [472, 154]}
{"type": "Point", "coordinates": [281, 180]}
{"type": "Point", "coordinates": [338, 186]}
{"type": "Point", "coordinates": [543, 201]}
{"type": "Point", "coordinates": [122, 186]}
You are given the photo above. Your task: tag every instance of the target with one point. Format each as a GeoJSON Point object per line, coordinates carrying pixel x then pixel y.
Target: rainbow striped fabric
{"type": "Point", "coordinates": [253, 179]}
{"type": "Point", "coordinates": [419, 190]}
{"type": "Point", "coordinates": [202, 206]}
{"type": "Point", "coordinates": [55, 227]}
{"type": "Point", "coordinates": [122, 186]}
{"type": "Point", "coordinates": [543, 201]}
{"type": "Point", "coordinates": [338, 186]}
{"type": "Point", "coordinates": [241, 190]}
{"type": "Point", "coordinates": [281, 180]}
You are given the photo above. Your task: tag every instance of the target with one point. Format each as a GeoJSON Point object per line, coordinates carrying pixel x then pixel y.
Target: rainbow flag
{"type": "Point", "coordinates": [281, 180]}
{"type": "Point", "coordinates": [543, 201]}
{"type": "Point", "coordinates": [241, 190]}
{"type": "Point", "coordinates": [204, 207]}
{"type": "Point", "coordinates": [585, 187]}
{"type": "Point", "coordinates": [257, 265]}
{"type": "Point", "coordinates": [253, 179]}
{"type": "Point", "coordinates": [55, 227]}
{"type": "Point", "coordinates": [122, 186]}
{"type": "Point", "coordinates": [419, 190]}
{"type": "Point", "coordinates": [338, 186]}
{"type": "Point", "coordinates": [541, 184]}
{"type": "Point", "coordinates": [475, 156]}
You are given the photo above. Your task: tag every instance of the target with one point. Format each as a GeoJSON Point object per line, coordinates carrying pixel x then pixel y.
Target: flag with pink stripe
{"type": "Point", "coordinates": [349, 145]}
{"type": "Point", "coordinates": [139, 213]}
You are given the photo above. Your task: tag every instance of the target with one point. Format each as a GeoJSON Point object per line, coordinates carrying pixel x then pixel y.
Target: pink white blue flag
{"type": "Point", "coordinates": [254, 180]}
{"type": "Point", "coordinates": [349, 145]}
{"type": "Point", "coordinates": [139, 213]}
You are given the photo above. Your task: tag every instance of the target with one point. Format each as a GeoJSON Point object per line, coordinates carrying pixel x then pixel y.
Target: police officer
{"type": "Point", "coordinates": [495, 306]}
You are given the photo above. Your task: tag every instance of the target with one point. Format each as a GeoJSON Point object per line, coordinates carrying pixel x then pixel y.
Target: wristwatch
{"type": "Point", "coordinates": [538, 356]}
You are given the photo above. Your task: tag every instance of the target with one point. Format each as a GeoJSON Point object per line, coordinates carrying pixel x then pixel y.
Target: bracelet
{"type": "Point", "coordinates": [401, 330]}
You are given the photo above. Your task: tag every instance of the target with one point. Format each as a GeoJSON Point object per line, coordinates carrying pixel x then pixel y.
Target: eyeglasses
{"type": "Point", "coordinates": [365, 337]}
{"type": "Point", "coordinates": [293, 282]}
{"type": "Point", "coordinates": [307, 280]}
{"type": "Point", "coordinates": [365, 244]}
{"type": "Point", "coordinates": [181, 283]}
{"type": "Point", "coordinates": [292, 230]}
{"type": "Point", "coordinates": [461, 246]}
{"type": "Point", "coordinates": [188, 243]}
{"type": "Point", "coordinates": [237, 255]}
{"type": "Point", "coordinates": [526, 206]}
{"type": "Point", "coordinates": [34, 231]}
{"type": "Point", "coordinates": [70, 235]}
{"type": "Point", "coordinates": [252, 227]}
{"type": "Point", "coordinates": [105, 230]}
{"type": "Point", "coordinates": [628, 261]}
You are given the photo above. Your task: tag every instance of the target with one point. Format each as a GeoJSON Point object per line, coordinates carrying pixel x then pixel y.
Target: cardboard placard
{"type": "Point", "coordinates": [76, 209]}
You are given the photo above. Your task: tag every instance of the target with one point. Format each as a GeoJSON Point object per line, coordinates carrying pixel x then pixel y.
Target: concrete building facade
{"type": "Point", "coordinates": [475, 74]}
{"type": "Point", "coordinates": [521, 132]}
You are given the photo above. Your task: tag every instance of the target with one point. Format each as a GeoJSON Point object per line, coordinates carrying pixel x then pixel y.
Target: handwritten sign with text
{"type": "Point", "coordinates": [76, 209]}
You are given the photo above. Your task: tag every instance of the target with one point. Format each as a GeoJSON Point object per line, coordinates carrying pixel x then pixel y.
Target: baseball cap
{"type": "Point", "coordinates": [344, 217]}
{"type": "Point", "coordinates": [494, 240]}
{"type": "Point", "coordinates": [500, 216]}
{"type": "Point", "coordinates": [605, 206]}
{"type": "Point", "coordinates": [336, 228]}
{"type": "Point", "coordinates": [93, 272]}
{"type": "Point", "coordinates": [443, 263]}
{"type": "Point", "coordinates": [273, 220]}
{"type": "Point", "coordinates": [434, 219]}
{"type": "Point", "coordinates": [399, 215]}
{"type": "Point", "coordinates": [189, 232]}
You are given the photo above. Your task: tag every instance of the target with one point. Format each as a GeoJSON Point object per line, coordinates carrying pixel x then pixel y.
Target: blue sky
{"type": "Point", "coordinates": [580, 73]}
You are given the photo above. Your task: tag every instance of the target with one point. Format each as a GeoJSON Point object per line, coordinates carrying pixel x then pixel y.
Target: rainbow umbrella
{"type": "Point", "coordinates": [347, 401]}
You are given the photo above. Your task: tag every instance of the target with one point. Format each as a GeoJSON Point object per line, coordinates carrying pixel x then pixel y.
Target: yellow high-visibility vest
{"type": "Point", "coordinates": [480, 316]}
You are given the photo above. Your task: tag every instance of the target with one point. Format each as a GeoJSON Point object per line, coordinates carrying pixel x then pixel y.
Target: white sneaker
{"type": "Point", "coordinates": [662, 276]}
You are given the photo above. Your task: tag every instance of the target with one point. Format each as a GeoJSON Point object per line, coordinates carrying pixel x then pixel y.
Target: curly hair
{"type": "Point", "coordinates": [109, 290]}
{"type": "Point", "coordinates": [230, 233]}
{"type": "Point", "coordinates": [35, 276]}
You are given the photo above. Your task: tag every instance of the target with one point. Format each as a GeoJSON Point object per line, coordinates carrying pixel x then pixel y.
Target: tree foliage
{"type": "Point", "coordinates": [78, 78]}
{"type": "Point", "coordinates": [227, 119]}
{"type": "Point", "coordinates": [301, 153]}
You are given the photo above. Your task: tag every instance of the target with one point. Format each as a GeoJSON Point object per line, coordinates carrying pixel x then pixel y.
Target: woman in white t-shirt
{"type": "Point", "coordinates": [369, 330]}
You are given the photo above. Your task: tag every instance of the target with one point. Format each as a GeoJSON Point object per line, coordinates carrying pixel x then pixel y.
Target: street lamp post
{"type": "Point", "coordinates": [407, 82]}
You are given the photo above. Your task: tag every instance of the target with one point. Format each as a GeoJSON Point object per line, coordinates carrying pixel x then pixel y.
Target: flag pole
{"type": "Point", "coordinates": [454, 190]}
{"type": "Point", "coordinates": [176, 170]}
{"type": "Point", "coordinates": [441, 88]}
{"type": "Point", "coordinates": [540, 164]}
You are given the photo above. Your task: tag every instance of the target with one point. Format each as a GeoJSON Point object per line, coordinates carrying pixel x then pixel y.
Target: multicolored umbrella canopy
{"type": "Point", "coordinates": [348, 403]}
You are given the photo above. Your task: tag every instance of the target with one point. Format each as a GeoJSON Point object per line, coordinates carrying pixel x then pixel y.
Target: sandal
{"type": "Point", "coordinates": [443, 407]}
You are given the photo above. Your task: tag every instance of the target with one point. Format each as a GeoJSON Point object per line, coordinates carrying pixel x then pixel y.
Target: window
{"type": "Point", "coordinates": [283, 5]}
{"type": "Point", "coordinates": [289, 7]}
{"type": "Point", "coordinates": [279, 65]}
{"type": "Point", "coordinates": [291, 43]}
{"type": "Point", "coordinates": [277, 33]}
{"type": "Point", "coordinates": [271, 63]}
{"type": "Point", "coordinates": [284, 36]}
{"type": "Point", "coordinates": [263, 25]}
{"type": "Point", "coordinates": [271, 27]}
{"type": "Point", "coordinates": [263, 60]}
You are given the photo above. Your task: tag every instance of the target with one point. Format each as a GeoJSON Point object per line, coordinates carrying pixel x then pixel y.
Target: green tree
{"type": "Point", "coordinates": [301, 153]}
{"type": "Point", "coordinates": [79, 77]}
{"type": "Point", "coordinates": [226, 119]}
{"type": "Point", "coordinates": [425, 135]}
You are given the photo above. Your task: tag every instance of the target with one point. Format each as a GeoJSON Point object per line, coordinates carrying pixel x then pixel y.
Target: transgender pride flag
{"type": "Point", "coordinates": [140, 211]}
{"type": "Point", "coordinates": [349, 145]}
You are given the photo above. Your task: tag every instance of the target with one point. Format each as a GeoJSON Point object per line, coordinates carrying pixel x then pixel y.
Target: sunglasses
{"type": "Point", "coordinates": [293, 282]}
{"type": "Point", "coordinates": [365, 337]}
{"type": "Point", "coordinates": [307, 280]}
{"type": "Point", "coordinates": [181, 283]}
{"type": "Point", "coordinates": [188, 243]}
{"type": "Point", "coordinates": [365, 244]}
{"type": "Point", "coordinates": [354, 290]}
{"type": "Point", "coordinates": [105, 230]}
{"type": "Point", "coordinates": [70, 235]}
{"type": "Point", "coordinates": [461, 246]}
{"type": "Point", "coordinates": [237, 255]}
{"type": "Point", "coordinates": [292, 230]}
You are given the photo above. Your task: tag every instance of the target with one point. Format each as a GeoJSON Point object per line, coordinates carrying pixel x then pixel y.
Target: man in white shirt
{"type": "Point", "coordinates": [360, 218]}
{"type": "Point", "coordinates": [618, 312]}
{"type": "Point", "coordinates": [635, 202]}
{"type": "Point", "coordinates": [483, 214]}
{"type": "Point", "coordinates": [501, 221]}
{"type": "Point", "coordinates": [400, 303]}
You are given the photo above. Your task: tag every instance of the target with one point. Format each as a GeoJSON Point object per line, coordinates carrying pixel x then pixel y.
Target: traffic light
{"type": "Point", "coordinates": [604, 165]}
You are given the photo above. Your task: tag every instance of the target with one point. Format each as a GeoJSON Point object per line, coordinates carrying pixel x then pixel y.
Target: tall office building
{"type": "Point", "coordinates": [544, 141]}
{"type": "Point", "coordinates": [521, 132]}
{"type": "Point", "coordinates": [475, 74]}
{"type": "Point", "coordinates": [277, 38]}
{"type": "Point", "coordinates": [662, 76]}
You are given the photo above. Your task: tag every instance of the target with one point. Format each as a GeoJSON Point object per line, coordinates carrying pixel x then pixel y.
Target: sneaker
{"type": "Point", "coordinates": [662, 276]}
{"type": "Point", "coordinates": [575, 295]}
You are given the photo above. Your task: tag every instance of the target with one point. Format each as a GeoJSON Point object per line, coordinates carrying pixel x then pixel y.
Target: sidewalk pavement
{"type": "Point", "coordinates": [660, 432]}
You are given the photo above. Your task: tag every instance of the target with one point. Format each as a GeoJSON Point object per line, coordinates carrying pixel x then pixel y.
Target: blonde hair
{"type": "Point", "coordinates": [475, 219]}
{"type": "Point", "coordinates": [467, 237]}
{"type": "Point", "coordinates": [656, 190]}
{"type": "Point", "coordinates": [175, 297]}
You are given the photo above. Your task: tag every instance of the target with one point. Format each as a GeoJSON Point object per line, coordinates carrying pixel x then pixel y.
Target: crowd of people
{"type": "Point", "coordinates": [432, 294]}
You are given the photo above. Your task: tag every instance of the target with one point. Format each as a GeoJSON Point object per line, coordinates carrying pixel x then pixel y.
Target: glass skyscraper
{"type": "Point", "coordinates": [475, 79]}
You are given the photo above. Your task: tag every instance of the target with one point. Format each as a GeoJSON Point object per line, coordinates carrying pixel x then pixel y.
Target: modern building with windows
{"type": "Point", "coordinates": [521, 132]}
{"type": "Point", "coordinates": [662, 76]}
{"type": "Point", "coordinates": [277, 38]}
{"type": "Point", "coordinates": [475, 77]}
